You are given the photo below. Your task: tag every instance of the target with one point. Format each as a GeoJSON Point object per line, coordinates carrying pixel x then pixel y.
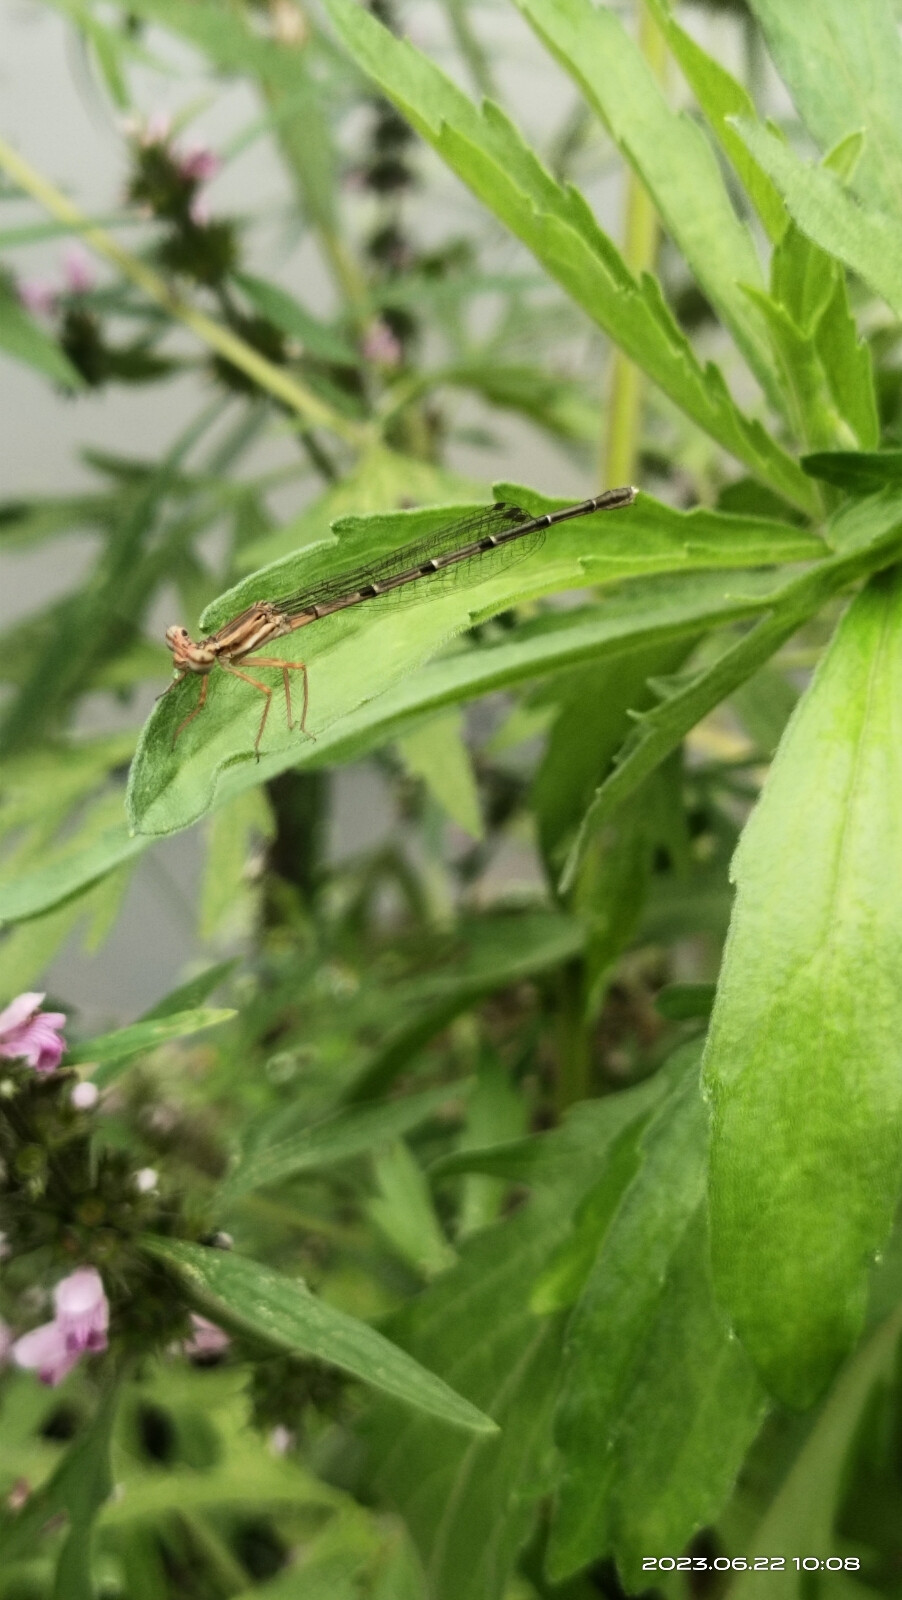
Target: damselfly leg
{"type": "Point", "coordinates": [284, 667]}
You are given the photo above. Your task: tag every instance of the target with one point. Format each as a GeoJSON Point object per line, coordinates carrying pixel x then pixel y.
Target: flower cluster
{"type": "Point", "coordinates": [167, 183]}
{"type": "Point", "coordinates": [60, 1196]}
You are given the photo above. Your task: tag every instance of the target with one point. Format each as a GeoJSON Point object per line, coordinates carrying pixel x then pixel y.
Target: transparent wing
{"type": "Point", "coordinates": [458, 535]}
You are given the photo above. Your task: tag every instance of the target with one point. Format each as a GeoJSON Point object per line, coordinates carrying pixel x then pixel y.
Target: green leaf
{"type": "Point", "coordinates": [404, 1214]}
{"type": "Point", "coordinates": [857, 471]}
{"type": "Point", "coordinates": [721, 97]}
{"type": "Point", "coordinates": [807, 1145]}
{"type": "Point", "coordinates": [286, 313]}
{"type": "Point", "coordinates": [486, 151]}
{"type": "Point", "coordinates": [868, 241]}
{"type": "Point", "coordinates": [470, 1506]}
{"type": "Point", "coordinates": [658, 1403]}
{"type": "Point", "coordinates": [803, 1511]}
{"type": "Point", "coordinates": [437, 753]}
{"type": "Point", "coordinates": [382, 480]}
{"type": "Point", "coordinates": [111, 1050]}
{"type": "Point", "coordinates": [23, 339]}
{"type": "Point", "coordinates": [253, 1300]}
{"type": "Point", "coordinates": [229, 899]}
{"type": "Point", "coordinates": [669, 153]}
{"type": "Point", "coordinates": [78, 1488]}
{"type": "Point", "coordinates": [867, 536]}
{"type": "Point", "coordinates": [75, 867]}
{"type": "Point", "coordinates": [338, 1138]}
{"type": "Point", "coordinates": [843, 67]}
{"type": "Point", "coordinates": [188, 996]}
{"type": "Point", "coordinates": [355, 655]}
{"type": "Point", "coordinates": [494, 952]}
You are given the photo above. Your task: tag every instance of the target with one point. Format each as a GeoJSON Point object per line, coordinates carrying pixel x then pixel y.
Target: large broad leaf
{"type": "Point", "coordinates": [487, 152]}
{"type": "Point", "coordinates": [867, 537]}
{"type": "Point", "coordinates": [672, 157]}
{"type": "Point", "coordinates": [843, 66]}
{"type": "Point", "coordinates": [470, 1506]}
{"type": "Point", "coordinates": [658, 1402]}
{"type": "Point", "coordinates": [282, 1313]}
{"type": "Point", "coordinates": [804, 1060]}
{"type": "Point", "coordinates": [867, 240]}
{"type": "Point", "coordinates": [355, 655]}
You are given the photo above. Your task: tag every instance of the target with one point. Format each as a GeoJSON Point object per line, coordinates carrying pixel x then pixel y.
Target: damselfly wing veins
{"type": "Point", "coordinates": [464, 551]}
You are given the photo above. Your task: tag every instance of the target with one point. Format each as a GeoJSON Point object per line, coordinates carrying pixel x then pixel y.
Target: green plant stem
{"type": "Point", "coordinates": [574, 1061]}
{"type": "Point", "coordinates": [620, 451]}
{"type": "Point", "coordinates": [226, 343]}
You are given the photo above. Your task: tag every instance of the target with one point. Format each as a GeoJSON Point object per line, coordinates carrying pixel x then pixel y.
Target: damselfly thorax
{"type": "Point", "coordinates": [465, 551]}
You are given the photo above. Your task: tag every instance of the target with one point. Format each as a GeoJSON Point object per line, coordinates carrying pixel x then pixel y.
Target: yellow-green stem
{"type": "Point", "coordinates": [624, 411]}
{"type": "Point", "coordinates": [227, 344]}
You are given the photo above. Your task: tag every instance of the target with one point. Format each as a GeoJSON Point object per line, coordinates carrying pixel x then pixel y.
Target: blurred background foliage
{"type": "Point", "coordinates": [453, 1080]}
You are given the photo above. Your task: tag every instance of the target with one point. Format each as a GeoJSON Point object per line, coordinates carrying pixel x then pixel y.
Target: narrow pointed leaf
{"type": "Point", "coordinates": [281, 1312]}
{"type": "Point", "coordinates": [487, 152]}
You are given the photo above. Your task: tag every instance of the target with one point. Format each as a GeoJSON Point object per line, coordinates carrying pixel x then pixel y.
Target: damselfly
{"type": "Point", "coordinates": [455, 553]}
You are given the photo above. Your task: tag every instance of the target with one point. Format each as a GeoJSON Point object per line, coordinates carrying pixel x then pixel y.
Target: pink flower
{"type": "Point", "coordinates": [157, 128]}
{"type": "Point", "coordinates": [206, 1338]}
{"type": "Point", "coordinates": [381, 346]}
{"type": "Point", "coordinates": [6, 1342]}
{"type": "Point", "coordinates": [82, 1309]}
{"type": "Point", "coordinates": [38, 298]}
{"type": "Point", "coordinates": [29, 1034]}
{"type": "Point", "coordinates": [78, 271]}
{"type": "Point", "coordinates": [198, 163]}
{"type": "Point", "coordinates": [46, 1352]}
{"type": "Point", "coordinates": [81, 1322]}
{"type": "Point", "coordinates": [199, 211]}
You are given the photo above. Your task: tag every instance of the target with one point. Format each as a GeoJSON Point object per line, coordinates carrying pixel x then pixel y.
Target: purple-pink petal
{"type": "Point", "coordinates": [78, 269]}
{"type": "Point", "coordinates": [206, 1339]}
{"type": "Point", "coordinates": [20, 1010]}
{"type": "Point", "coordinates": [37, 297]}
{"type": "Point", "coordinates": [198, 164]}
{"type": "Point", "coordinates": [46, 1352]}
{"type": "Point", "coordinates": [31, 1035]}
{"type": "Point", "coordinates": [82, 1310]}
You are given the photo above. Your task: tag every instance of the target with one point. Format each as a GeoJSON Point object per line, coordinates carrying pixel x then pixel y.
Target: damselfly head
{"type": "Point", "coordinates": [177, 640]}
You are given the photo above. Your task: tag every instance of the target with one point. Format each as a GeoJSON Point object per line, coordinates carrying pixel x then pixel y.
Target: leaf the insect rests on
{"type": "Point", "coordinates": [357, 654]}
{"type": "Point", "coordinates": [280, 1312]}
